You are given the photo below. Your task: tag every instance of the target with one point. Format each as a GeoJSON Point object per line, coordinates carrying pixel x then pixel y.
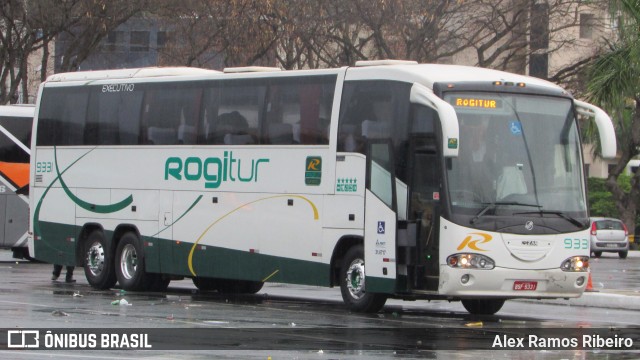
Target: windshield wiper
{"type": "Point", "coordinates": [494, 204]}
{"type": "Point", "coordinates": [561, 214]}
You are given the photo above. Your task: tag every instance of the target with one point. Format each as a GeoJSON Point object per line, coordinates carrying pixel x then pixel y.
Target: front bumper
{"type": "Point", "coordinates": [499, 282]}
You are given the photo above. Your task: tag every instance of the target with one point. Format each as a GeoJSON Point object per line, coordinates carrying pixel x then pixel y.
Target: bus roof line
{"type": "Point", "coordinates": [244, 69]}
{"type": "Point", "coordinates": [128, 73]}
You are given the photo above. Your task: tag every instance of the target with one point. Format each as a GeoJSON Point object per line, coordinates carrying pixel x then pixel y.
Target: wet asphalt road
{"type": "Point", "coordinates": [313, 320]}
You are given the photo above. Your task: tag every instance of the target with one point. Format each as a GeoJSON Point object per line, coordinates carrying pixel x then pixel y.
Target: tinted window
{"type": "Point", "coordinates": [20, 127]}
{"type": "Point", "coordinates": [229, 112]}
{"type": "Point", "coordinates": [283, 111]}
{"type": "Point", "coordinates": [113, 117]}
{"type": "Point", "coordinates": [299, 111]}
{"type": "Point", "coordinates": [240, 108]}
{"type": "Point", "coordinates": [376, 110]}
{"type": "Point", "coordinates": [62, 115]}
{"type": "Point", "coordinates": [170, 113]}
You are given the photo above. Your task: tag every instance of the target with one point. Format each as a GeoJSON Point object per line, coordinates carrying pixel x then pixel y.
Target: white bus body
{"type": "Point", "coordinates": [239, 178]}
{"type": "Point", "coordinates": [15, 140]}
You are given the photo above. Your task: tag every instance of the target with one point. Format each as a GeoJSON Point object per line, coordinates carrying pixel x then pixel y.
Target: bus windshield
{"type": "Point", "coordinates": [519, 154]}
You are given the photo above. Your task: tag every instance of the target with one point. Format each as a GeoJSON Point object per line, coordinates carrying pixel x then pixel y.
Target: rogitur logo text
{"type": "Point", "coordinates": [214, 170]}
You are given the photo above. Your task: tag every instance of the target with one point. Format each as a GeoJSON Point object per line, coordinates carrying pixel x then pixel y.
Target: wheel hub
{"type": "Point", "coordinates": [95, 259]}
{"type": "Point", "coordinates": [355, 279]}
{"type": "Point", "coordinates": [129, 261]}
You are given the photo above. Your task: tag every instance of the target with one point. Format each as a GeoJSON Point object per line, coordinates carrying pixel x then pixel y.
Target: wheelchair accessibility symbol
{"type": "Point", "coordinates": [515, 127]}
{"type": "Point", "coordinates": [380, 227]}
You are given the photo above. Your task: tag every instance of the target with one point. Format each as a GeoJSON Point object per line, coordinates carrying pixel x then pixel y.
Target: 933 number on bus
{"type": "Point", "coordinates": [576, 243]}
{"type": "Point", "coordinates": [43, 166]}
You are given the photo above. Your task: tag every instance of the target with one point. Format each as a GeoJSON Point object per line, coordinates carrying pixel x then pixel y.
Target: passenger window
{"type": "Point", "coordinates": [170, 115]}
{"type": "Point", "coordinates": [373, 110]}
{"type": "Point", "coordinates": [299, 110]}
{"type": "Point", "coordinates": [239, 111]}
{"type": "Point", "coordinates": [62, 117]}
{"type": "Point", "coordinates": [114, 118]}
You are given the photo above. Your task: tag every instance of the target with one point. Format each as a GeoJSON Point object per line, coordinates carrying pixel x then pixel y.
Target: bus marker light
{"type": "Point", "coordinates": [470, 261]}
{"type": "Point", "coordinates": [575, 264]}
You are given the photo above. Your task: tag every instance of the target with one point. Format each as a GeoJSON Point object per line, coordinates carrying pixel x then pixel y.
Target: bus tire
{"type": "Point", "coordinates": [205, 283]}
{"type": "Point", "coordinates": [158, 282]}
{"type": "Point", "coordinates": [352, 284]}
{"type": "Point", "coordinates": [130, 270]}
{"type": "Point", "coordinates": [483, 306]}
{"type": "Point", "coordinates": [98, 264]}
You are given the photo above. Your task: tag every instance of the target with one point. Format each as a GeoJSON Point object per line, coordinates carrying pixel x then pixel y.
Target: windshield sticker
{"type": "Point", "coordinates": [515, 127]}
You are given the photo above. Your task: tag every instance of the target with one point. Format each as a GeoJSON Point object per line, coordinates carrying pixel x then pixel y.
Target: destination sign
{"type": "Point", "coordinates": [477, 103]}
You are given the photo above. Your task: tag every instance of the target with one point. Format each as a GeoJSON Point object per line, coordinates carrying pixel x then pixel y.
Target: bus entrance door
{"type": "Point", "coordinates": [425, 213]}
{"type": "Point", "coordinates": [380, 219]}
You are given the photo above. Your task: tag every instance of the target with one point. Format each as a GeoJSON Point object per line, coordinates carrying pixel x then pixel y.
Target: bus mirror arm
{"type": "Point", "coordinates": [604, 124]}
{"type": "Point", "coordinates": [448, 119]}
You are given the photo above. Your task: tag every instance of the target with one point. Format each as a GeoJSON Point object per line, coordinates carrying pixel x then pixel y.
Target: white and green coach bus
{"type": "Point", "coordinates": [448, 182]}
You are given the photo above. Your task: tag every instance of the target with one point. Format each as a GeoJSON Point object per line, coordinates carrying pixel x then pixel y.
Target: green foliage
{"type": "Point", "coordinates": [601, 202]}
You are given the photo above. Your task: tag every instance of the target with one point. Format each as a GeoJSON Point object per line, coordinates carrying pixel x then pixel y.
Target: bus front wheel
{"type": "Point", "coordinates": [98, 264]}
{"type": "Point", "coordinates": [130, 270]}
{"type": "Point", "coordinates": [352, 284]}
{"type": "Point", "coordinates": [483, 306]}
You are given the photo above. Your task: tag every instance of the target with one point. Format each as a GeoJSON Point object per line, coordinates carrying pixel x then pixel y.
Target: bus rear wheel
{"type": "Point", "coordinates": [98, 264]}
{"type": "Point", "coordinates": [352, 284]}
{"type": "Point", "coordinates": [483, 306]}
{"type": "Point", "coordinates": [130, 270]}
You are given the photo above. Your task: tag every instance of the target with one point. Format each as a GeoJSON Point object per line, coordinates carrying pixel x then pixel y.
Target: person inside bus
{"type": "Point", "coordinates": [232, 128]}
{"type": "Point", "coordinates": [57, 269]}
{"type": "Point", "coordinates": [479, 158]}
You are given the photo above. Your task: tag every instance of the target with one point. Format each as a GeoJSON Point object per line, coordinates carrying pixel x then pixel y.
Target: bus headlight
{"type": "Point", "coordinates": [470, 261]}
{"type": "Point", "coordinates": [575, 263]}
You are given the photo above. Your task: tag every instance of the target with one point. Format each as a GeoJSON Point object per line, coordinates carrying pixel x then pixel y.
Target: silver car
{"type": "Point", "coordinates": [609, 235]}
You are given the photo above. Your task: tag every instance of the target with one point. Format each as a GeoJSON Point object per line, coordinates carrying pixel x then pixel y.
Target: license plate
{"type": "Point", "coordinates": [612, 245]}
{"type": "Point", "coordinates": [525, 285]}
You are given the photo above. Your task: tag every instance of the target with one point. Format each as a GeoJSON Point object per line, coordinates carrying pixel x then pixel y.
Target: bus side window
{"type": "Point", "coordinates": [239, 113]}
{"type": "Point", "coordinates": [298, 109]}
{"type": "Point", "coordinates": [171, 115]}
{"type": "Point", "coordinates": [63, 117]}
{"type": "Point", "coordinates": [211, 103]}
{"type": "Point", "coordinates": [232, 129]}
{"type": "Point", "coordinates": [113, 118]}
{"type": "Point", "coordinates": [129, 118]}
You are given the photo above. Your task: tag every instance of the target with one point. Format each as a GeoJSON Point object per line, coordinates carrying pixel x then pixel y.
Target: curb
{"type": "Point", "coordinates": [596, 299]}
